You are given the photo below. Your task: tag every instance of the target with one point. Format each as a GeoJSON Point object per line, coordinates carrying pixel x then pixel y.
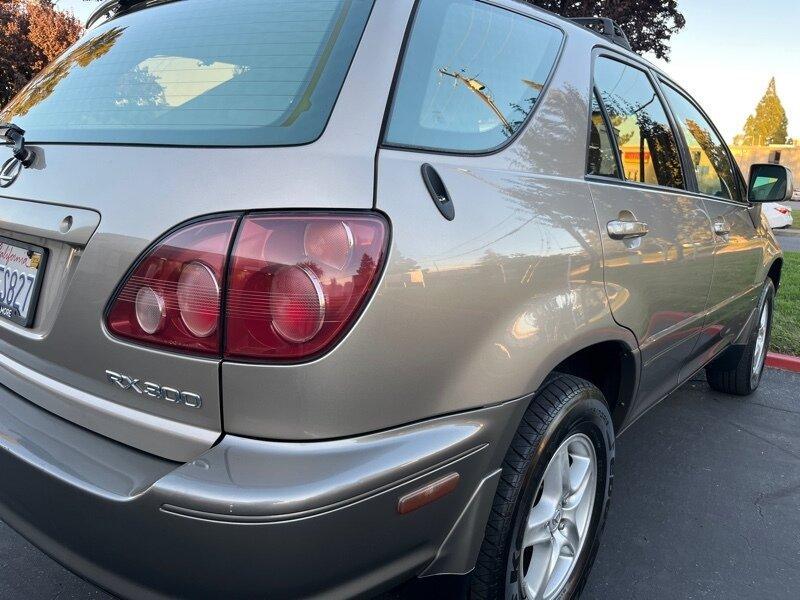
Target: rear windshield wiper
{"type": "Point", "coordinates": [15, 136]}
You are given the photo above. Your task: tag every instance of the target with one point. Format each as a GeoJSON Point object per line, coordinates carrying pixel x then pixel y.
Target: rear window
{"type": "Point", "coordinates": [471, 76]}
{"type": "Point", "coordinates": [199, 73]}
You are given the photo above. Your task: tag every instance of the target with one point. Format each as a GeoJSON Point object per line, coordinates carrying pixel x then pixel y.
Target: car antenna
{"type": "Point", "coordinates": [14, 135]}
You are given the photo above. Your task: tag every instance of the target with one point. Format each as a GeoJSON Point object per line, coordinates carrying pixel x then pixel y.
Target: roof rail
{"type": "Point", "coordinates": [606, 27]}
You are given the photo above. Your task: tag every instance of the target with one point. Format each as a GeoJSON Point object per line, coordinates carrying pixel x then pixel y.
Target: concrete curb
{"type": "Point", "coordinates": [784, 362]}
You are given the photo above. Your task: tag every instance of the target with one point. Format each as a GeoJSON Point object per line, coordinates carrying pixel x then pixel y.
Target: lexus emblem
{"type": "Point", "coordinates": [9, 172]}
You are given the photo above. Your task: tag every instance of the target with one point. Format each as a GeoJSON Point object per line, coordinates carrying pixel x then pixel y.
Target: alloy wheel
{"type": "Point", "coordinates": [760, 351]}
{"type": "Point", "coordinates": [558, 522]}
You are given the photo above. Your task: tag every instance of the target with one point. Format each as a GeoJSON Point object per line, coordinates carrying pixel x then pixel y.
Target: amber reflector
{"type": "Point", "coordinates": [430, 493]}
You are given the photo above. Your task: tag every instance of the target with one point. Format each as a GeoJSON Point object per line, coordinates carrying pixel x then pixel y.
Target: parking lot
{"type": "Point", "coordinates": [706, 505]}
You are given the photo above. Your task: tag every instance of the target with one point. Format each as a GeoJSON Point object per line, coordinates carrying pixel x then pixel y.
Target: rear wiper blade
{"type": "Point", "coordinates": [112, 8]}
{"type": "Point", "coordinates": [14, 135]}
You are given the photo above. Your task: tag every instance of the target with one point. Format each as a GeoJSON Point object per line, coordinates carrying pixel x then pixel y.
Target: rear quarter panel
{"type": "Point", "coordinates": [471, 312]}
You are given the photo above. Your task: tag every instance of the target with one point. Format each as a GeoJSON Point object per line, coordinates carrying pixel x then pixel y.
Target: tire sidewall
{"type": "Point", "coordinates": [585, 414]}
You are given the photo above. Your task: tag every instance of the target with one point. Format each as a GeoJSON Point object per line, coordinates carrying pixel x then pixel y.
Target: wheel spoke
{"type": "Point", "coordinates": [556, 478]}
{"type": "Point", "coordinates": [564, 468]}
{"type": "Point", "coordinates": [539, 571]}
{"type": "Point", "coordinates": [570, 536]}
{"type": "Point", "coordinates": [536, 528]}
{"type": "Point", "coordinates": [580, 474]}
{"type": "Point", "coordinates": [561, 556]}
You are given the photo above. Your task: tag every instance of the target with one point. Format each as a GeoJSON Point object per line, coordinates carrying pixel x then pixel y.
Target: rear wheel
{"type": "Point", "coordinates": [743, 377]}
{"type": "Point", "coordinates": [552, 499]}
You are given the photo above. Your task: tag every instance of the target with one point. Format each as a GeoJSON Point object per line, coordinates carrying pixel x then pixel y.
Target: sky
{"type": "Point", "coordinates": [724, 56]}
{"type": "Point", "coordinates": [727, 53]}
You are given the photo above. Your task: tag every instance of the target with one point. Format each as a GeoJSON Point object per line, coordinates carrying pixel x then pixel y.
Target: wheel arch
{"type": "Point", "coordinates": [609, 359]}
{"type": "Point", "coordinates": [774, 273]}
{"type": "Point", "coordinates": [613, 367]}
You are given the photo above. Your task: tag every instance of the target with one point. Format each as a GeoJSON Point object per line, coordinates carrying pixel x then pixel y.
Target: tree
{"type": "Point", "coordinates": [17, 52]}
{"type": "Point", "coordinates": [51, 30]}
{"type": "Point", "coordinates": [32, 33]}
{"type": "Point", "coordinates": [649, 24]}
{"type": "Point", "coordinates": [769, 124]}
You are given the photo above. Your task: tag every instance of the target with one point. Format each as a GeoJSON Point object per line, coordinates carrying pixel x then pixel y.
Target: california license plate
{"type": "Point", "coordinates": [21, 272]}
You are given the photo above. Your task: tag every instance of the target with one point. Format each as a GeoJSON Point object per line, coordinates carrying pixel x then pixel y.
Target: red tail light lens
{"type": "Point", "coordinates": [199, 296]}
{"type": "Point", "coordinates": [297, 282]}
{"type": "Point", "coordinates": [172, 298]}
{"type": "Point", "coordinates": [294, 284]}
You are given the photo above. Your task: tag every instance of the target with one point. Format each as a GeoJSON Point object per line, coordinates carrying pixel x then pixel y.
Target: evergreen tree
{"type": "Point", "coordinates": [769, 124]}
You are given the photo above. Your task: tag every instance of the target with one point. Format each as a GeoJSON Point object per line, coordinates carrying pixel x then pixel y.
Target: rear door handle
{"type": "Point", "coordinates": [627, 230]}
{"type": "Point", "coordinates": [721, 228]}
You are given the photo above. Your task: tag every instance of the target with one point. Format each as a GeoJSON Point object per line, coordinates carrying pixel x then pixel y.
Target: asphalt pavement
{"type": "Point", "coordinates": [790, 242]}
{"type": "Point", "coordinates": [706, 505]}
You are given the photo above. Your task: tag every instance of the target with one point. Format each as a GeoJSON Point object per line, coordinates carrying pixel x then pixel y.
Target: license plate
{"type": "Point", "coordinates": [21, 272]}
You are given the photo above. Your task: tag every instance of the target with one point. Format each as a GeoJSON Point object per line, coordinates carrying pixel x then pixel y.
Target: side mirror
{"type": "Point", "coordinates": [770, 183]}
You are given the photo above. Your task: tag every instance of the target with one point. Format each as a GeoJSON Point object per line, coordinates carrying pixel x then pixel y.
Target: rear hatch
{"type": "Point", "coordinates": [156, 117]}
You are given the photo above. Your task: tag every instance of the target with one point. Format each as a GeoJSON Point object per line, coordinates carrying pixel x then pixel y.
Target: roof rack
{"type": "Point", "coordinates": [608, 28]}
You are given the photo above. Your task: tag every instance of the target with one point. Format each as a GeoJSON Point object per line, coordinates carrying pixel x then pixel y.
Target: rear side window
{"type": "Point", "coordinates": [647, 144]}
{"type": "Point", "coordinates": [602, 154]}
{"type": "Point", "coordinates": [199, 73]}
{"type": "Point", "coordinates": [712, 164]}
{"type": "Point", "coordinates": [471, 75]}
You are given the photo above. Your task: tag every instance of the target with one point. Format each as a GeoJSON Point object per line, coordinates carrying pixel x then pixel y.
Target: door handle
{"type": "Point", "coordinates": [721, 228]}
{"type": "Point", "coordinates": [627, 230]}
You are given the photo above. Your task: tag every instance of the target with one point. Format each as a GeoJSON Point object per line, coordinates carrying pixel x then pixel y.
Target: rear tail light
{"type": "Point", "coordinates": [297, 282]}
{"type": "Point", "coordinates": [172, 298]}
{"type": "Point", "coordinates": [290, 288]}
{"type": "Point", "coordinates": [782, 210]}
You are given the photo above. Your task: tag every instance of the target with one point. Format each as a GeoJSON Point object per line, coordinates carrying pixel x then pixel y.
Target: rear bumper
{"type": "Point", "coordinates": [251, 518]}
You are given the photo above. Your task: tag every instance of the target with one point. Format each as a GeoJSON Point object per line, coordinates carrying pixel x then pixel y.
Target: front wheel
{"type": "Point", "coordinates": [552, 499]}
{"type": "Point", "coordinates": [744, 377]}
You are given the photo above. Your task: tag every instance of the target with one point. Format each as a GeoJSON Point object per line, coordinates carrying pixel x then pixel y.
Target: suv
{"type": "Point", "coordinates": [309, 299]}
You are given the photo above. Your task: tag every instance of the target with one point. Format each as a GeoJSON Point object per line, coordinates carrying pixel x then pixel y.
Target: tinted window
{"type": "Point", "coordinates": [471, 76]}
{"type": "Point", "coordinates": [647, 144]}
{"type": "Point", "coordinates": [602, 155]}
{"type": "Point", "coordinates": [715, 172]}
{"type": "Point", "coordinates": [205, 72]}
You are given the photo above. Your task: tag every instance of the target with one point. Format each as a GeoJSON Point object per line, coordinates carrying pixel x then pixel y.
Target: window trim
{"type": "Point", "coordinates": [595, 95]}
{"type": "Point", "coordinates": [646, 187]}
{"type": "Point", "coordinates": [737, 175]}
{"type": "Point", "coordinates": [521, 11]}
{"type": "Point", "coordinates": [605, 52]}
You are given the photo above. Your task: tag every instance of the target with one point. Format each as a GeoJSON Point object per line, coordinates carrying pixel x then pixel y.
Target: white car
{"type": "Point", "coordinates": [778, 215]}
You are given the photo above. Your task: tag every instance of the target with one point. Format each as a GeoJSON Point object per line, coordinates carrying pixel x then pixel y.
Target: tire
{"type": "Point", "coordinates": [567, 412]}
{"type": "Point", "coordinates": [742, 376]}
